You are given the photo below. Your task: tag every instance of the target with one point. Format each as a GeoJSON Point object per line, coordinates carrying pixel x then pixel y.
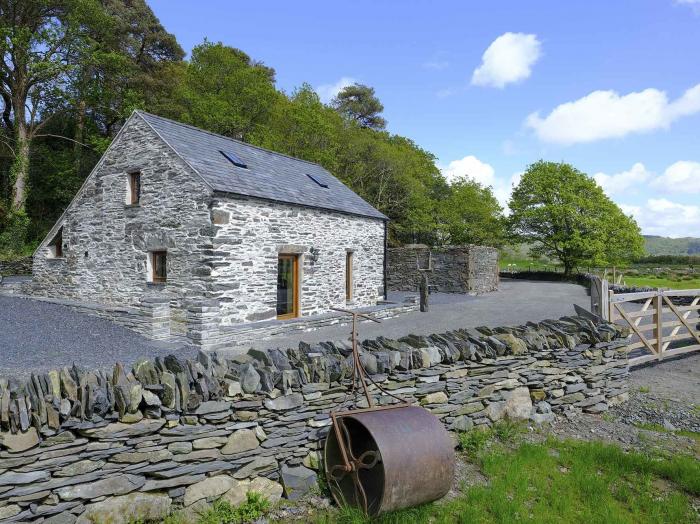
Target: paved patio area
{"type": "Point", "coordinates": [517, 302]}
{"type": "Point", "coordinates": [38, 336]}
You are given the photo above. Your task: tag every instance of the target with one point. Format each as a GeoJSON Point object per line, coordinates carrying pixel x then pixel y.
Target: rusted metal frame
{"type": "Point", "coordinates": [638, 332]}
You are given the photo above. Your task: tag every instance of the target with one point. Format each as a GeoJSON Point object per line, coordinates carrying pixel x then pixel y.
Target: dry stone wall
{"type": "Point", "coordinates": [451, 269]}
{"type": "Point", "coordinates": [94, 446]}
{"type": "Point", "coordinates": [21, 266]}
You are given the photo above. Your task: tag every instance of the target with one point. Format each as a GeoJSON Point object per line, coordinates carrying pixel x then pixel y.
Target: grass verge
{"type": "Point", "coordinates": [558, 481]}
{"type": "Point", "coordinates": [662, 282]}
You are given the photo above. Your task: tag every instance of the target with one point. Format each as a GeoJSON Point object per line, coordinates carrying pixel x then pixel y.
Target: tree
{"type": "Point", "coordinates": [38, 41]}
{"type": "Point", "coordinates": [301, 126]}
{"type": "Point", "coordinates": [567, 216]}
{"type": "Point", "coordinates": [359, 103]}
{"type": "Point", "coordinates": [470, 214]}
{"type": "Point", "coordinates": [223, 90]}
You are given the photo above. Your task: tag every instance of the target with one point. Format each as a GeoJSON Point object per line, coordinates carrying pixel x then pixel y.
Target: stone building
{"type": "Point", "coordinates": [450, 269]}
{"type": "Point", "coordinates": [178, 231]}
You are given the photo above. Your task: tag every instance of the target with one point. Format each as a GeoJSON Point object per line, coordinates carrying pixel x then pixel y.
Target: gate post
{"type": "Point", "coordinates": [659, 317]}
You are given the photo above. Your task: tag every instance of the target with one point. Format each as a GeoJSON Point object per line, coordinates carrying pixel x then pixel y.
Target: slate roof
{"type": "Point", "coordinates": [269, 175]}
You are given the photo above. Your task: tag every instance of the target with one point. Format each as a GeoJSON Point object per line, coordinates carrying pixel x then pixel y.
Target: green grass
{"type": "Point", "coordinates": [221, 512]}
{"type": "Point", "coordinates": [662, 282]}
{"type": "Point", "coordinates": [571, 481]}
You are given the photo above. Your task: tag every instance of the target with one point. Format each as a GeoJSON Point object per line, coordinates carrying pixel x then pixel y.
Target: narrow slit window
{"type": "Point", "coordinates": [159, 267]}
{"type": "Point", "coordinates": [322, 184]}
{"type": "Point", "coordinates": [56, 245]}
{"type": "Point", "coordinates": [348, 275]}
{"type": "Point", "coordinates": [134, 188]}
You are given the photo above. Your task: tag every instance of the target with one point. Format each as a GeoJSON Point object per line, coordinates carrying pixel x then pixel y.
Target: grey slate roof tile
{"type": "Point", "coordinates": [269, 175]}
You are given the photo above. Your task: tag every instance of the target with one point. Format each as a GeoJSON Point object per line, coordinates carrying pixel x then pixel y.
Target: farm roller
{"type": "Point", "coordinates": [384, 458]}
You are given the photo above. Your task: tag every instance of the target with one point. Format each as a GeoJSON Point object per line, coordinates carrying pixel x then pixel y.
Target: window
{"type": "Point", "coordinates": [159, 270]}
{"type": "Point", "coordinates": [234, 159]}
{"type": "Point", "coordinates": [348, 275]}
{"type": "Point", "coordinates": [133, 196]}
{"type": "Point", "coordinates": [56, 245]}
{"type": "Point", "coordinates": [322, 184]}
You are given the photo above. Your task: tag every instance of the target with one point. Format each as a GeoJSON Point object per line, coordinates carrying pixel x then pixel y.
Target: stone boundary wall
{"type": "Point", "coordinates": [113, 447]}
{"type": "Point", "coordinates": [22, 266]}
{"type": "Point", "coordinates": [454, 269]}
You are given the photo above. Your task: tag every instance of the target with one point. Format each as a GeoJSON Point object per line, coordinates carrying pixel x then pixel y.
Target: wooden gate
{"type": "Point", "coordinates": [663, 323]}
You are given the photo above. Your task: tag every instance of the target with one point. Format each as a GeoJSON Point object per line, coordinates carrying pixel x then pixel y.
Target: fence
{"type": "Point", "coordinates": [664, 323]}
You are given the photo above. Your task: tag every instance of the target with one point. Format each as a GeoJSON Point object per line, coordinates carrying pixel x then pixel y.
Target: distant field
{"type": "Point", "coordinates": [662, 282]}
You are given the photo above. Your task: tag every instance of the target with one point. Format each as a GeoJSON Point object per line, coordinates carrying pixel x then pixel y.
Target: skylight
{"type": "Point", "coordinates": [322, 184]}
{"type": "Point", "coordinates": [234, 159]}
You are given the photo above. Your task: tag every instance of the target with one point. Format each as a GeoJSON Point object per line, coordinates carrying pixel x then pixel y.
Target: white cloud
{"type": "Point", "coordinates": [508, 59]}
{"type": "Point", "coordinates": [606, 114]}
{"type": "Point", "coordinates": [469, 167]}
{"type": "Point", "coordinates": [659, 216]}
{"type": "Point", "coordinates": [447, 91]}
{"type": "Point", "coordinates": [327, 92]}
{"type": "Point", "coordinates": [694, 4]}
{"type": "Point", "coordinates": [680, 177]}
{"type": "Point", "coordinates": [625, 182]}
{"type": "Point", "coordinates": [436, 65]}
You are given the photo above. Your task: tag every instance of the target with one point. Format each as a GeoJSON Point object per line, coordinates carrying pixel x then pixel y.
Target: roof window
{"type": "Point", "coordinates": [234, 159]}
{"type": "Point", "coordinates": [322, 184]}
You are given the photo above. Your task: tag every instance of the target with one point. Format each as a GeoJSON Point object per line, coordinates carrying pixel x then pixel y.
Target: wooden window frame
{"type": "Point", "coordinates": [56, 244]}
{"type": "Point", "coordinates": [295, 271]}
{"type": "Point", "coordinates": [349, 276]}
{"type": "Point", "coordinates": [135, 188]}
{"type": "Point", "coordinates": [155, 278]}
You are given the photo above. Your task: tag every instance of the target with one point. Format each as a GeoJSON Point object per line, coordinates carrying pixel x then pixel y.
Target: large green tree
{"type": "Point", "coordinates": [470, 214]}
{"type": "Point", "coordinates": [567, 216]}
{"type": "Point", "coordinates": [221, 89]}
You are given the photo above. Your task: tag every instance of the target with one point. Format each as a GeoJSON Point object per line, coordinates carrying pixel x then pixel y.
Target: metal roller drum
{"type": "Point", "coordinates": [395, 457]}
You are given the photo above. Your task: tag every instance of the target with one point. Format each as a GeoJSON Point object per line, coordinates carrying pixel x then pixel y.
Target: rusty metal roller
{"type": "Point", "coordinates": [398, 456]}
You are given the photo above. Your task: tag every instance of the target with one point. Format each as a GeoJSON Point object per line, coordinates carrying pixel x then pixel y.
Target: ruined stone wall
{"type": "Point", "coordinates": [170, 434]}
{"type": "Point", "coordinates": [251, 234]}
{"type": "Point", "coordinates": [455, 269]}
{"type": "Point", "coordinates": [107, 242]}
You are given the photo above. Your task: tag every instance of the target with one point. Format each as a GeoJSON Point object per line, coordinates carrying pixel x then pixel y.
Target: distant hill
{"type": "Point", "coordinates": [656, 245]}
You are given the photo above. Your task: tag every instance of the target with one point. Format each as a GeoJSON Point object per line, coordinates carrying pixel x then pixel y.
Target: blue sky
{"type": "Point", "coordinates": [490, 87]}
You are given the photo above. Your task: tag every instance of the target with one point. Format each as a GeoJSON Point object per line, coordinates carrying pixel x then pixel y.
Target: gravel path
{"type": "Point", "coordinates": [517, 302]}
{"type": "Point", "coordinates": [38, 336]}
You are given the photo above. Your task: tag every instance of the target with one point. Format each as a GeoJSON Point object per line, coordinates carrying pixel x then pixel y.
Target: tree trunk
{"type": "Point", "coordinates": [568, 268]}
{"type": "Point", "coordinates": [79, 132]}
{"type": "Point", "coordinates": [20, 167]}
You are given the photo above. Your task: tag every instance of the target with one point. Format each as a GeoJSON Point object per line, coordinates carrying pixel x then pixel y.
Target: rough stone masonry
{"type": "Point", "coordinates": [93, 447]}
{"type": "Point", "coordinates": [450, 269]}
{"type": "Point", "coordinates": [222, 235]}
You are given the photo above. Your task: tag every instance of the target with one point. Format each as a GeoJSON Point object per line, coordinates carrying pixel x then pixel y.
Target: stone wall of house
{"type": "Point", "coordinates": [107, 242]}
{"type": "Point", "coordinates": [118, 447]}
{"type": "Point", "coordinates": [452, 269]}
{"type": "Point", "coordinates": [250, 234]}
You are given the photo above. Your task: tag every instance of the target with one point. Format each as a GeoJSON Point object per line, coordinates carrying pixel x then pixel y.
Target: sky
{"type": "Point", "coordinates": [612, 87]}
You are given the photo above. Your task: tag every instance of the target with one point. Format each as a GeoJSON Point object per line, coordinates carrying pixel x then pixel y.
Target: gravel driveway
{"type": "Point", "coordinates": [38, 336]}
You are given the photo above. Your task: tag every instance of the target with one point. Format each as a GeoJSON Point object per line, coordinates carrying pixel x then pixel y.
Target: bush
{"type": "Point", "coordinates": [223, 513]}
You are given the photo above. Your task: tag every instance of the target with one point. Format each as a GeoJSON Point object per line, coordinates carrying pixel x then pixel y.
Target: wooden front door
{"type": "Point", "coordinates": [287, 287]}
